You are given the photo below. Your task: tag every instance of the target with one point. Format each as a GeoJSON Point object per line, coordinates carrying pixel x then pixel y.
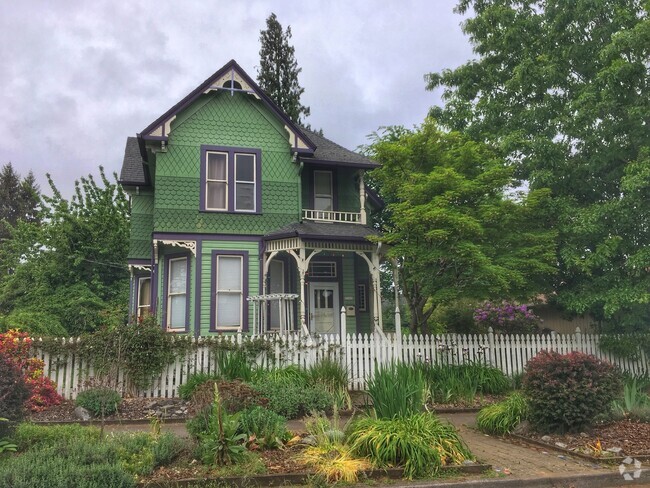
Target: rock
{"type": "Point", "coordinates": [468, 462]}
{"type": "Point", "coordinates": [562, 457]}
{"type": "Point", "coordinates": [82, 414]}
{"type": "Point", "coordinates": [561, 445]}
{"type": "Point", "coordinates": [584, 435]}
{"type": "Point", "coordinates": [546, 438]}
{"type": "Point", "coordinates": [309, 440]}
{"type": "Point", "coordinates": [615, 450]}
{"type": "Point", "coordinates": [151, 405]}
{"type": "Point", "coordinates": [523, 428]}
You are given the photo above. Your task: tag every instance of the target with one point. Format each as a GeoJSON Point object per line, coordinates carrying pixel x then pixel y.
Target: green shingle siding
{"type": "Point", "coordinates": [141, 226]}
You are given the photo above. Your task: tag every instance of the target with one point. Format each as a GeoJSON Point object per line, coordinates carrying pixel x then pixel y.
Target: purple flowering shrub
{"type": "Point", "coordinates": [507, 318]}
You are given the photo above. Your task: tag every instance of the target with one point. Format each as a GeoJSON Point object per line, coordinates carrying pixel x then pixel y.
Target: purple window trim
{"type": "Point", "coordinates": [213, 290]}
{"type": "Point", "coordinates": [230, 204]}
{"type": "Point", "coordinates": [197, 288]}
{"type": "Point", "coordinates": [169, 257]}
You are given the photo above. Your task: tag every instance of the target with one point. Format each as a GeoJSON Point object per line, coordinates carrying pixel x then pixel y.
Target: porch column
{"type": "Point", "coordinates": [302, 271]}
{"type": "Point", "coordinates": [377, 292]}
{"type": "Point", "coordinates": [362, 200]}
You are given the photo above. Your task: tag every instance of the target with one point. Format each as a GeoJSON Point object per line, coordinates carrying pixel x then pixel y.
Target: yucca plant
{"type": "Point", "coordinates": [420, 443]}
{"type": "Point", "coordinates": [502, 418]}
{"type": "Point", "coordinates": [397, 390]}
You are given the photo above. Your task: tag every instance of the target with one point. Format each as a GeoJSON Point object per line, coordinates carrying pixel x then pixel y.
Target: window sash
{"type": "Point", "coordinates": [144, 295]}
{"type": "Point", "coordinates": [176, 295]}
{"type": "Point", "coordinates": [228, 291]}
{"type": "Point", "coordinates": [323, 197]}
{"type": "Point", "coordinates": [215, 182]}
{"type": "Point", "coordinates": [241, 182]}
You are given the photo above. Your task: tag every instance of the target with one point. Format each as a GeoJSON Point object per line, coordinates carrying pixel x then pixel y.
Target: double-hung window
{"type": "Point", "coordinates": [144, 295]}
{"type": "Point", "coordinates": [177, 287]}
{"type": "Point", "coordinates": [229, 291]}
{"type": "Point", "coordinates": [230, 179]}
{"type": "Point", "coordinates": [323, 190]}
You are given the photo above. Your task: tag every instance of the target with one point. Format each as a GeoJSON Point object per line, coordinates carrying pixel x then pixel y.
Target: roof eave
{"type": "Point", "coordinates": [369, 165]}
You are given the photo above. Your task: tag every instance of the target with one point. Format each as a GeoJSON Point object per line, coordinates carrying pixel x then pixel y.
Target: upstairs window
{"type": "Point", "coordinates": [230, 179]}
{"type": "Point", "coordinates": [323, 190]}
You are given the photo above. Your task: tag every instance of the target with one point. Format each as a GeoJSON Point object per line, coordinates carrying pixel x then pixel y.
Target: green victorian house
{"type": "Point", "coordinates": [243, 221]}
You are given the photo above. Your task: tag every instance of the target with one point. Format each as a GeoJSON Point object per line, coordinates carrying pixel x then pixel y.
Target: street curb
{"type": "Point", "coordinates": [574, 481]}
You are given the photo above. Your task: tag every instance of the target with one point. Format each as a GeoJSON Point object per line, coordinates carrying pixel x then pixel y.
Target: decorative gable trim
{"type": "Point", "coordinates": [160, 129]}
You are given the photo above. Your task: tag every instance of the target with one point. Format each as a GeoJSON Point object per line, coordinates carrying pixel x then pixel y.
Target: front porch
{"type": "Point", "coordinates": [313, 270]}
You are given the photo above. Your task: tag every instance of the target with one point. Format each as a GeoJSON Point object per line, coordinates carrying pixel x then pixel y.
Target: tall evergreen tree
{"type": "Point", "coordinates": [19, 199]}
{"type": "Point", "coordinates": [278, 71]}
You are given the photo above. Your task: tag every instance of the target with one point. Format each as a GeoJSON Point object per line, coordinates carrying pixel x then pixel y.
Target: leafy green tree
{"type": "Point", "coordinates": [19, 199]}
{"type": "Point", "coordinates": [454, 222]}
{"type": "Point", "coordinates": [72, 267]}
{"type": "Point", "coordinates": [278, 71]}
{"type": "Point", "coordinates": [563, 90]}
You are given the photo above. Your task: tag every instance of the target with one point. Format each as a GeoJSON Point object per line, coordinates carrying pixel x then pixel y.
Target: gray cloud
{"type": "Point", "coordinates": [79, 77]}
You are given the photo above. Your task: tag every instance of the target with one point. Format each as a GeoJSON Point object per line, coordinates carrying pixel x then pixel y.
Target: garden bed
{"type": "Point", "coordinates": [631, 437]}
{"type": "Point", "coordinates": [130, 410]}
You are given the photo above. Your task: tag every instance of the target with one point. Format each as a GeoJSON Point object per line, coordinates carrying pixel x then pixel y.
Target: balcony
{"type": "Point", "coordinates": [332, 216]}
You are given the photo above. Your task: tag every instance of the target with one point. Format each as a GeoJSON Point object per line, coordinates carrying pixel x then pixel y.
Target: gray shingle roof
{"type": "Point", "coordinates": [330, 151]}
{"type": "Point", "coordinates": [134, 170]}
{"type": "Point", "coordinates": [323, 231]}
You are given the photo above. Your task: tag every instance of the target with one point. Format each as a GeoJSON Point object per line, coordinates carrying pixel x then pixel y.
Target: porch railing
{"type": "Point", "coordinates": [332, 216]}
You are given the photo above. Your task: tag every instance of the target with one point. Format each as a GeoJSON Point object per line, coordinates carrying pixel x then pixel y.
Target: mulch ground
{"type": "Point", "coordinates": [478, 402]}
{"type": "Point", "coordinates": [631, 436]}
{"type": "Point", "coordinates": [130, 409]}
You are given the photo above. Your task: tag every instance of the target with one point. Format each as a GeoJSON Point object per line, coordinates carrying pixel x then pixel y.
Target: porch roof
{"type": "Point", "coordinates": [323, 231]}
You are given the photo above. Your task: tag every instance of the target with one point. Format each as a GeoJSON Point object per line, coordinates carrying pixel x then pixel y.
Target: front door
{"type": "Point", "coordinates": [324, 308]}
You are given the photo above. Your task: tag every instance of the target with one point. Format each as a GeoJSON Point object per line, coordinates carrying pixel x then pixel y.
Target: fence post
{"type": "Point", "coordinates": [344, 336]}
{"type": "Point", "coordinates": [578, 340]}
{"type": "Point", "coordinates": [398, 332]}
{"type": "Point", "coordinates": [491, 350]}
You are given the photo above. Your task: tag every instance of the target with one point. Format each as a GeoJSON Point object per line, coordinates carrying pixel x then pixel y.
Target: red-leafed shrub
{"type": "Point", "coordinates": [15, 346]}
{"type": "Point", "coordinates": [566, 391]}
{"type": "Point", "coordinates": [13, 395]}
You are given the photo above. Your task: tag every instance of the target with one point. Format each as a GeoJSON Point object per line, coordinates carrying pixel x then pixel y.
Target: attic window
{"type": "Point", "coordinates": [232, 84]}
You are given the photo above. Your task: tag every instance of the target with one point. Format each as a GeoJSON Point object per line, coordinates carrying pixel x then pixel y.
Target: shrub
{"type": "Point", "coordinates": [13, 395]}
{"type": "Point", "coordinates": [15, 346]}
{"type": "Point", "coordinates": [501, 418]}
{"type": "Point", "coordinates": [36, 470]}
{"type": "Point", "coordinates": [420, 443]}
{"type": "Point", "coordinates": [397, 390]}
{"type": "Point", "coordinates": [166, 448]}
{"type": "Point", "coordinates": [34, 322]}
{"type": "Point", "coordinates": [99, 401]}
{"type": "Point", "coordinates": [293, 400]}
{"type": "Point", "coordinates": [31, 436]}
{"type": "Point", "coordinates": [334, 462]}
{"type": "Point", "coordinates": [194, 381]}
{"type": "Point", "coordinates": [507, 318]}
{"type": "Point", "coordinates": [566, 391]}
{"type": "Point", "coordinates": [268, 429]}
{"type": "Point", "coordinates": [290, 374]}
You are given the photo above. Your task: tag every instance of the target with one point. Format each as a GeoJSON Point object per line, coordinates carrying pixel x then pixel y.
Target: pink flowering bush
{"type": "Point", "coordinates": [507, 318]}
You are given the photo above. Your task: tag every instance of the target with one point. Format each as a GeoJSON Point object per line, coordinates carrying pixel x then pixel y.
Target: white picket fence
{"type": "Point", "coordinates": [360, 353]}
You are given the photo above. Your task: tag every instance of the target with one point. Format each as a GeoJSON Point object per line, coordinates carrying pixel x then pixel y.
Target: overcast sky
{"type": "Point", "coordinates": [78, 77]}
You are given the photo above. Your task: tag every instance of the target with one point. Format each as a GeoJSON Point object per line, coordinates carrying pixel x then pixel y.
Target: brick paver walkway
{"type": "Point", "coordinates": [520, 461]}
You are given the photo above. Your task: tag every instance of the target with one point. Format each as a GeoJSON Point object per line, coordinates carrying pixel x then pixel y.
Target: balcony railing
{"type": "Point", "coordinates": [332, 216]}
